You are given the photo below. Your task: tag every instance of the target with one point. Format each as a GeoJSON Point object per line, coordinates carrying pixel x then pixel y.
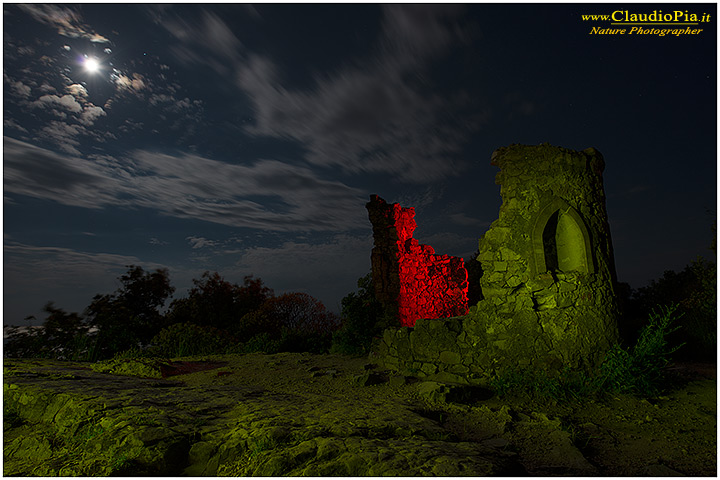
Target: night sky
{"type": "Point", "coordinates": [247, 139]}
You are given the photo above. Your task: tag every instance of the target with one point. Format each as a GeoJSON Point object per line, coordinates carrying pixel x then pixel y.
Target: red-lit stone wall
{"type": "Point", "coordinates": [410, 280]}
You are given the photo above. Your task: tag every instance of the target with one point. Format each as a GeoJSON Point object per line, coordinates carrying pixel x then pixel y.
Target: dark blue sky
{"type": "Point", "coordinates": [247, 139]}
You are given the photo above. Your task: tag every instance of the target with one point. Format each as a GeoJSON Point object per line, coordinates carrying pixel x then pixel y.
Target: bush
{"type": "Point", "coordinates": [292, 322]}
{"type": "Point", "coordinates": [638, 370]}
{"type": "Point", "coordinates": [262, 342]}
{"type": "Point", "coordinates": [186, 339]}
{"type": "Point", "coordinates": [694, 291]}
{"type": "Point", "coordinates": [362, 319]}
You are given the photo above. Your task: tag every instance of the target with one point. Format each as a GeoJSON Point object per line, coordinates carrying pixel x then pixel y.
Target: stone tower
{"type": "Point", "coordinates": [548, 278]}
{"type": "Point", "coordinates": [548, 266]}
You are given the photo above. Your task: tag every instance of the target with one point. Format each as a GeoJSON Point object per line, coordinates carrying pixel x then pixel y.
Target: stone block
{"type": "Point", "coordinates": [428, 368]}
{"type": "Point", "coordinates": [450, 358]}
{"type": "Point", "coordinates": [500, 266]}
{"type": "Point", "coordinates": [458, 369]}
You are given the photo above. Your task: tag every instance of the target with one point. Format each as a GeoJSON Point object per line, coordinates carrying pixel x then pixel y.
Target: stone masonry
{"type": "Point", "coordinates": [411, 280]}
{"type": "Point", "coordinates": [548, 278]}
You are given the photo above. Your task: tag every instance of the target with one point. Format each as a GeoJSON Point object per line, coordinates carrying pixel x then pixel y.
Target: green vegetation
{"type": "Point", "coordinates": [694, 291]}
{"type": "Point", "coordinates": [135, 366]}
{"type": "Point", "coordinates": [639, 370]}
{"type": "Point", "coordinates": [186, 339]}
{"type": "Point", "coordinates": [363, 320]}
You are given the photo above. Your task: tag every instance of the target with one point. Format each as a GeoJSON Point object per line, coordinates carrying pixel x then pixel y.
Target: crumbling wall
{"type": "Point", "coordinates": [411, 281]}
{"type": "Point", "coordinates": [548, 277]}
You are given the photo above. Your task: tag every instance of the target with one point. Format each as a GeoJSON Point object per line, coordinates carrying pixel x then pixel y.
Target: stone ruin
{"type": "Point", "coordinates": [410, 280]}
{"type": "Point", "coordinates": [548, 278]}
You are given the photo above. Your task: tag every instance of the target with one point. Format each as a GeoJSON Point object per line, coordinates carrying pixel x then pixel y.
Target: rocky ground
{"type": "Point", "coordinates": [328, 415]}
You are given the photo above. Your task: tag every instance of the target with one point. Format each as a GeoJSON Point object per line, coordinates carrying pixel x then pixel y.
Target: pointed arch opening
{"type": "Point", "coordinates": [561, 242]}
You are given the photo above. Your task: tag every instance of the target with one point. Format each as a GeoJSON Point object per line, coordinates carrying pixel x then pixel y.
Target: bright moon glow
{"type": "Point", "coordinates": [92, 65]}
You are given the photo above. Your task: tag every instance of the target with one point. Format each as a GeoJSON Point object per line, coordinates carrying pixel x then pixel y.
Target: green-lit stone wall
{"type": "Point", "coordinates": [548, 277]}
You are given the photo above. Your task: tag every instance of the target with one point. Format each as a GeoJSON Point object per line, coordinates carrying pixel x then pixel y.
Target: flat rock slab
{"type": "Point", "coordinates": [249, 414]}
{"type": "Point", "coordinates": [320, 415]}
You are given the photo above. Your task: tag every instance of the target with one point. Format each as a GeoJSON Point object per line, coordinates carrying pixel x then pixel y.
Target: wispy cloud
{"type": "Point", "coordinates": [206, 40]}
{"type": "Point", "coordinates": [268, 194]}
{"type": "Point", "coordinates": [375, 116]}
{"type": "Point", "coordinates": [465, 220]}
{"type": "Point", "coordinates": [44, 273]}
{"type": "Point", "coordinates": [40, 173]}
{"type": "Point", "coordinates": [68, 21]}
{"type": "Point", "coordinates": [200, 242]}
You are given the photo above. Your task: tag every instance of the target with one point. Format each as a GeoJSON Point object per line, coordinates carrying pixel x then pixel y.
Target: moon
{"type": "Point", "coordinates": [92, 65]}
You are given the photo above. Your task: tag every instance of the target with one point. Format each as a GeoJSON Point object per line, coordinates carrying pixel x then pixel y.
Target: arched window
{"type": "Point", "coordinates": [561, 241]}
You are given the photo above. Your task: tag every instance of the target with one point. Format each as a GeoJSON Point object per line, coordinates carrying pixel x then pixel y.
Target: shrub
{"type": "Point", "coordinates": [638, 370]}
{"type": "Point", "coordinates": [362, 319]}
{"type": "Point", "coordinates": [694, 291]}
{"type": "Point", "coordinates": [262, 342]}
{"type": "Point", "coordinates": [292, 322]}
{"type": "Point", "coordinates": [185, 339]}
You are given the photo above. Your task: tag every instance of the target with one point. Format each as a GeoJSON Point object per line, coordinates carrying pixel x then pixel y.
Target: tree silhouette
{"type": "Point", "coordinates": [290, 322]}
{"type": "Point", "coordinates": [58, 337]}
{"type": "Point", "coordinates": [362, 318]}
{"type": "Point", "coordinates": [215, 302]}
{"type": "Point", "coordinates": [131, 315]}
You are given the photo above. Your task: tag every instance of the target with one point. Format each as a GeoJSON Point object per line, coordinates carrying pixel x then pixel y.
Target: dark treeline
{"type": "Point", "coordinates": [217, 316]}
{"type": "Point", "coordinates": [694, 291]}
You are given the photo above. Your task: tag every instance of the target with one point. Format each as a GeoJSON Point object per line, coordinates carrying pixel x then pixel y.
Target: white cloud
{"type": "Point", "coordinates": [268, 195]}
{"type": "Point", "coordinates": [206, 40]}
{"type": "Point", "coordinates": [21, 89]}
{"type": "Point", "coordinates": [90, 114]}
{"type": "Point", "coordinates": [67, 102]}
{"type": "Point", "coordinates": [136, 83]}
{"type": "Point", "coordinates": [10, 123]}
{"type": "Point", "coordinates": [40, 173]}
{"type": "Point", "coordinates": [77, 90]}
{"type": "Point", "coordinates": [46, 88]}
{"type": "Point", "coordinates": [371, 116]}
{"type": "Point", "coordinates": [200, 242]}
